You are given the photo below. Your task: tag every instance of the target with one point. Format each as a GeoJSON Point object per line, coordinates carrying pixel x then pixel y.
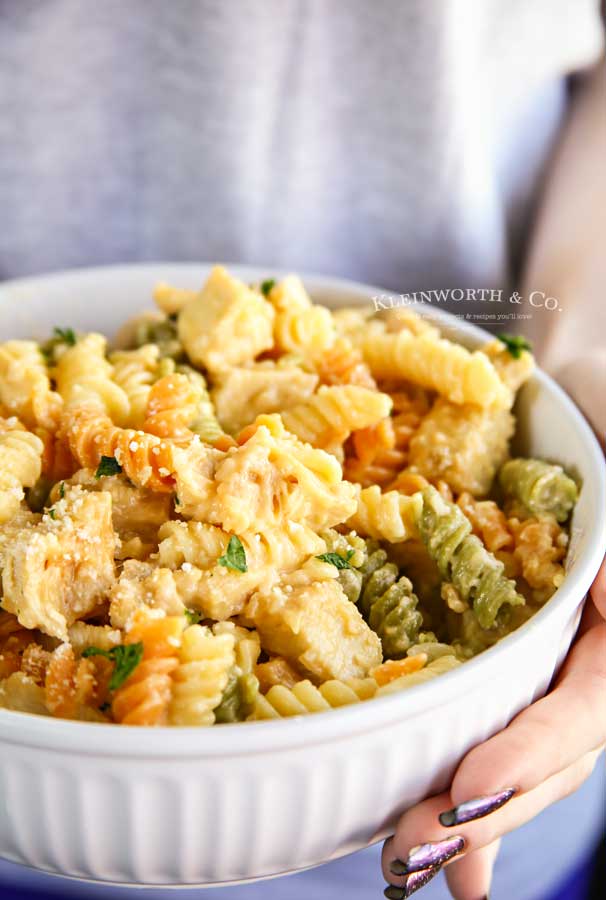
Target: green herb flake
{"type": "Point", "coordinates": [177, 501]}
{"type": "Point", "coordinates": [109, 465]}
{"type": "Point", "coordinates": [335, 559]}
{"type": "Point", "coordinates": [65, 335]}
{"type": "Point", "coordinates": [62, 490]}
{"type": "Point", "coordinates": [193, 616]}
{"type": "Point", "coordinates": [515, 343]}
{"type": "Point", "coordinates": [267, 286]}
{"type": "Point", "coordinates": [235, 555]}
{"type": "Point", "coordinates": [126, 658]}
{"type": "Point", "coordinates": [52, 513]}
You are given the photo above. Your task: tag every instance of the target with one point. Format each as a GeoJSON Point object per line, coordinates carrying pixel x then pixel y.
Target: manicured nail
{"type": "Point", "coordinates": [428, 855]}
{"type": "Point", "coordinates": [417, 880]}
{"type": "Point", "coordinates": [394, 893]}
{"type": "Point", "coordinates": [414, 882]}
{"type": "Point", "coordinates": [475, 809]}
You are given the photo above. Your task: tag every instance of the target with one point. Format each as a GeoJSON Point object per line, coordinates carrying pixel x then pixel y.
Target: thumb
{"type": "Point", "coordinates": [470, 877]}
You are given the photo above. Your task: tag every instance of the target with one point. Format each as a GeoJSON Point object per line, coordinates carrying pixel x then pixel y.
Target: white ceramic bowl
{"type": "Point", "coordinates": [238, 802]}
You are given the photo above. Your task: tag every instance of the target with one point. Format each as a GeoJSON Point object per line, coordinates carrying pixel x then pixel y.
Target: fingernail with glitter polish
{"type": "Point", "coordinates": [475, 809]}
{"type": "Point", "coordinates": [425, 856]}
{"type": "Point", "coordinates": [417, 880]}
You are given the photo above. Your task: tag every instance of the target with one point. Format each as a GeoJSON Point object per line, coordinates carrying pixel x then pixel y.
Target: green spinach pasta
{"type": "Point", "coordinates": [252, 508]}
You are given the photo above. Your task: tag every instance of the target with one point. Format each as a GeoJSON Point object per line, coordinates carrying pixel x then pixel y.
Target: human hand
{"type": "Point", "coordinates": [543, 755]}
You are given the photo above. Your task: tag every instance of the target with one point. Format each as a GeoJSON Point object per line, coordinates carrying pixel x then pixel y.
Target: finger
{"type": "Point", "coordinates": [598, 590]}
{"type": "Point", "coordinates": [470, 877]}
{"type": "Point", "coordinates": [548, 736]}
{"type": "Point", "coordinates": [421, 840]}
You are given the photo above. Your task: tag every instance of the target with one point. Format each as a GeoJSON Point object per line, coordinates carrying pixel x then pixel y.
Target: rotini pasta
{"type": "Point", "coordinates": [84, 377]}
{"type": "Point", "coordinates": [303, 698]}
{"type": "Point", "coordinates": [542, 488]}
{"type": "Point", "coordinates": [252, 507]}
{"type": "Point", "coordinates": [329, 417]}
{"type": "Point", "coordinates": [20, 467]}
{"type": "Point", "coordinates": [300, 326]}
{"type": "Point", "coordinates": [205, 662]}
{"type": "Point", "coordinates": [388, 517]}
{"type": "Point", "coordinates": [134, 372]}
{"type": "Point", "coordinates": [463, 560]}
{"type": "Point", "coordinates": [447, 368]}
{"type": "Point", "coordinates": [145, 696]}
{"type": "Point", "coordinates": [25, 388]}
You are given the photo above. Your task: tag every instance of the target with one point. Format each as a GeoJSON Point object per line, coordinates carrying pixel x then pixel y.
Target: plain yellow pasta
{"type": "Point", "coordinates": [25, 388]}
{"type": "Point", "coordinates": [445, 367]}
{"type": "Point", "coordinates": [171, 300]}
{"type": "Point", "coordinates": [329, 417]}
{"type": "Point", "coordinates": [85, 377]}
{"type": "Point", "coordinates": [389, 517]}
{"type": "Point", "coordinates": [205, 661]}
{"type": "Point", "coordinates": [438, 666]}
{"type": "Point", "coordinates": [282, 702]}
{"type": "Point", "coordinates": [300, 326]}
{"type": "Point", "coordinates": [134, 372]}
{"type": "Point", "coordinates": [20, 467]}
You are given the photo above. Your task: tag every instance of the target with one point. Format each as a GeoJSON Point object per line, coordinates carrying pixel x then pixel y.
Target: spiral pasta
{"type": "Point", "coordinates": [255, 507]}
{"type": "Point", "coordinates": [25, 388]}
{"type": "Point", "coordinates": [303, 698]}
{"type": "Point", "coordinates": [389, 517]}
{"type": "Point", "coordinates": [389, 605]}
{"type": "Point", "coordinates": [542, 488]}
{"type": "Point", "coordinates": [171, 408]}
{"type": "Point", "coordinates": [447, 368]}
{"type": "Point", "coordinates": [20, 467]}
{"type": "Point", "coordinates": [135, 372]}
{"type": "Point", "coordinates": [330, 415]}
{"type": "Point", "coordinates": [300, 326]}
{"type": "Point", "coordinates": [242, 686]}
{"type": "Point", "coordinates": [205, 661]}
{"type": "Point", "coordinates": [145, 696]}
{"type": "Point", "coordinates": [439, 666]}
{"type": "Point", "coordinates": [463, 559]}
{"type": "Point", "coordinates": [84, 376]}
{"type": "Point", "coordinates": [144, 458]}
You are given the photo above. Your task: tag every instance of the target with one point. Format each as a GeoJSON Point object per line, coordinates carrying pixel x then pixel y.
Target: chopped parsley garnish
{"type": "Point", "coordinates": [267, 286]}
{"type": "Point", "coordinates": [235, 555]}
{"type": "Point", "coordinates": [62, 490]}
{"type": "Point", "coordinates": [109, 465]}
{"type": "Point", "coordinates": [65, 335]}
{"type": "Point", "coordinates": [515, 343]}
{"type": "Point", "coordinates": [335, 559]}
{"type": "Point", "coordinates": [177, 501]}
{"type": "Point", "coordinates": [126, 658]}
{"type": "Point", "coordinates": [52, 513]}
{"type": "Point", "coordinates": [192, 616]}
